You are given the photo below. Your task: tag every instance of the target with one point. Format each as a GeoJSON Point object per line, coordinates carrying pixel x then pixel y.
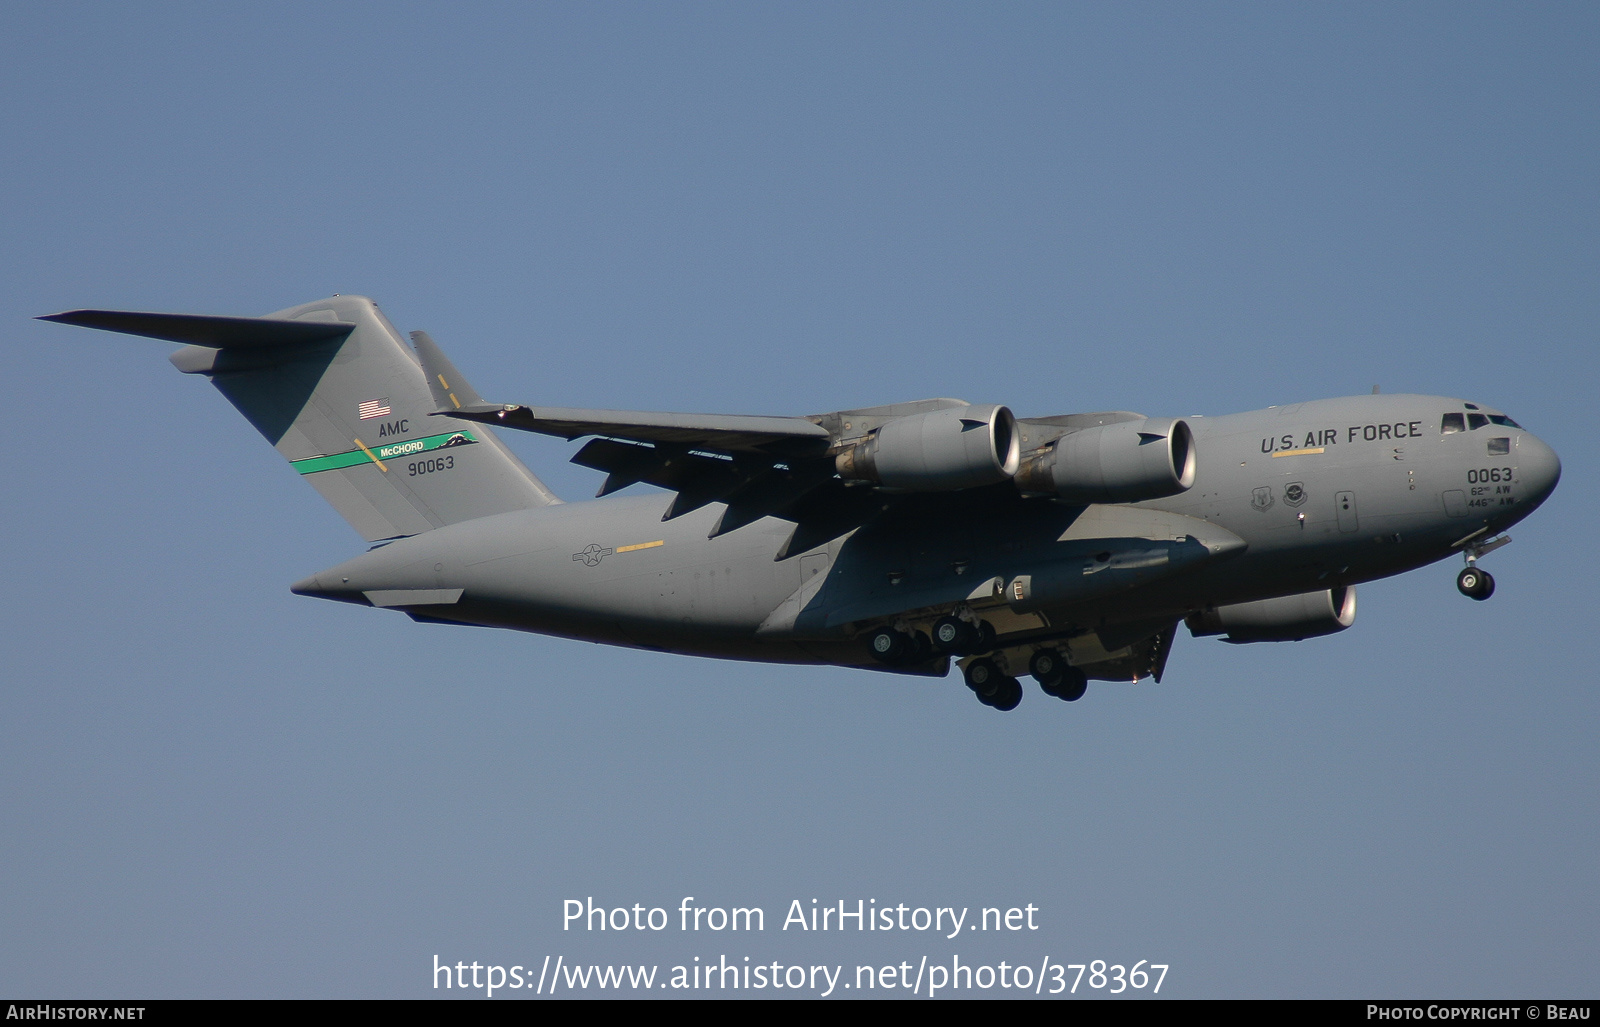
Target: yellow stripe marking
{"type": "Point", "coordinates": [1298, 452]}
{"type": "Point", "coordinates": [642, 545]}
{"type": "Point", "coordinates": [374, 457]}
{"type": "Point", "coordinates": [442, 381]}
{"type": "Point", "coordinates": [457, 402]}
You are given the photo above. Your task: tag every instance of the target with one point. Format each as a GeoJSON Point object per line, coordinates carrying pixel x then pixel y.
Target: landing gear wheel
{"type": "Point", "coordinates": [987, 636]}
{"type": "Point", "coordinates": [890, 646]}
{"type": "Point", "coordinates": [982, 676]}
{"type": "Point", "coordinates": [1006, 695]}
{"type": "Point", "coordinates": [1475, 584]}
{"type": "Point", "coordinates": [1073, 684]}
{"type": "Point", "coordinates": [954, 635]}
{"type": "Point", "coordinates": [1047, 667]}
{"type": "Point", "coordinates": [992, 687]}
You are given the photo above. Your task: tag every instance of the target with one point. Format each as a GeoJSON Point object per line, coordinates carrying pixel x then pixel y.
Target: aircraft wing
{"type": "Point", "coordinates": [727, 432]}
{"type": "Point", "coordinates": [719, 432]}
{"type": "Point", "coordinates": [759, 466]}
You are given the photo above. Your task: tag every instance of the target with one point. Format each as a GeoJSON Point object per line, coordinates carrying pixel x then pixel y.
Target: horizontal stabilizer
{"type": "Point", "coordinates": [206, 330]}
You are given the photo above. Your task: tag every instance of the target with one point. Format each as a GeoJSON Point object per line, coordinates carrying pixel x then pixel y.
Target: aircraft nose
{"type": "Point", "coordinates": [1538, 467]}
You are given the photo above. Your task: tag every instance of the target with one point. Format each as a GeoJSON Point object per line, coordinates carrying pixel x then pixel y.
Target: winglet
{"type": "Point", "coordinates": [451, 392]}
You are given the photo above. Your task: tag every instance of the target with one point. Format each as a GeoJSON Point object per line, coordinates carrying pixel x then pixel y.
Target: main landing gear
{"type": "Point", "coordinates": [951, 635]}
{"type": "Point", "coordinates": [1056, 676]}
{"type": "Point", "coordinates": [898, 648]}
{"type": "Point", "coordinates": [963, 637]}
{"type": "Point", "coordinates": [992, 688]}
{"type": "Point", "coordinates": [1049, 667]}
{"type": "Point", "coordinates": [968, 636]}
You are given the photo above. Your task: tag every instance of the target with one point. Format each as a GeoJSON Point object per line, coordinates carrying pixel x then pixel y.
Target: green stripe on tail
{"type": "Point", "coordinates": [393, 451]}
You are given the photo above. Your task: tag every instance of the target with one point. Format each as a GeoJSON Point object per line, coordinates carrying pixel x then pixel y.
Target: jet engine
{"type": "Point", "coordinates": [940, 451]}
{"type": "Point", "coordinates": [1114, 463]}
{"type": "Point", "coordinates": [1285, 619]}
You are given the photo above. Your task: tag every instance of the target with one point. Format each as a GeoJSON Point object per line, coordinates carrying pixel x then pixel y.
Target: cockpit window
{"type": "Point", "coordinates": [1499, 447]}
{"type": "Point", "coordinates": [1476, 421]}
{"type": "Point", "coordinates": [1503, 421]}
{"type": "Point", "coordinates": [1471, 406]}
{"type": "Point", "coordinates": [1453, 423]}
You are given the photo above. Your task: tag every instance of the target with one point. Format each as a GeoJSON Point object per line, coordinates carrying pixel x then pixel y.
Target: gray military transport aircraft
{"type": "Point", "coordinates": [892, 538]}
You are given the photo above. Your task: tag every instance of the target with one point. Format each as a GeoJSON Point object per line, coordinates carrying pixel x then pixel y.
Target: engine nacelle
{"type": "Point", "coordinates": [1115, 463]}
{"type": "Point", "coordinates": [1285, 619]}
{"type": "Point", "coordinates": [940, 451]}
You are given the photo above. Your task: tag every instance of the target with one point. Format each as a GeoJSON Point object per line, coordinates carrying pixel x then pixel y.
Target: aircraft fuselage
{"type": "Point", "coordinates": [1289, 499]}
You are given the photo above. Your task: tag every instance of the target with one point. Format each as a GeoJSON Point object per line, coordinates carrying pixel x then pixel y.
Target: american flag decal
{"type": "Point", "coordinates": [373, 408]}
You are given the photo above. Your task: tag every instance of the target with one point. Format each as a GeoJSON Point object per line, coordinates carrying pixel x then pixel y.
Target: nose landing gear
{"type": "Point", "coordinates": [1475, 584]}
{"type": "Point", "coordinates": [1472, 582]}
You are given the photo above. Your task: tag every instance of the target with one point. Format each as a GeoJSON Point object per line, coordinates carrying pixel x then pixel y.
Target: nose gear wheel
{"type": "Point", "coordinates": [1475, 584]}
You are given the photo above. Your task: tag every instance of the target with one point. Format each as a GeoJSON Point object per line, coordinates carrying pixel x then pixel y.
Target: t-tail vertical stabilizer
{"type": "Point", "coordinates": [334, 388]}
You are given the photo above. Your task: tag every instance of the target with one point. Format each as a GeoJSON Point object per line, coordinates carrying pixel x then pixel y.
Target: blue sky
{"type": "Point", "coordinates": [211, 787]}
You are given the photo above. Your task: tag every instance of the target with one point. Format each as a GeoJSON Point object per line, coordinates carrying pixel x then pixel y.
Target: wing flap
{"type": "Point", "coordinates": [770, 494]}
